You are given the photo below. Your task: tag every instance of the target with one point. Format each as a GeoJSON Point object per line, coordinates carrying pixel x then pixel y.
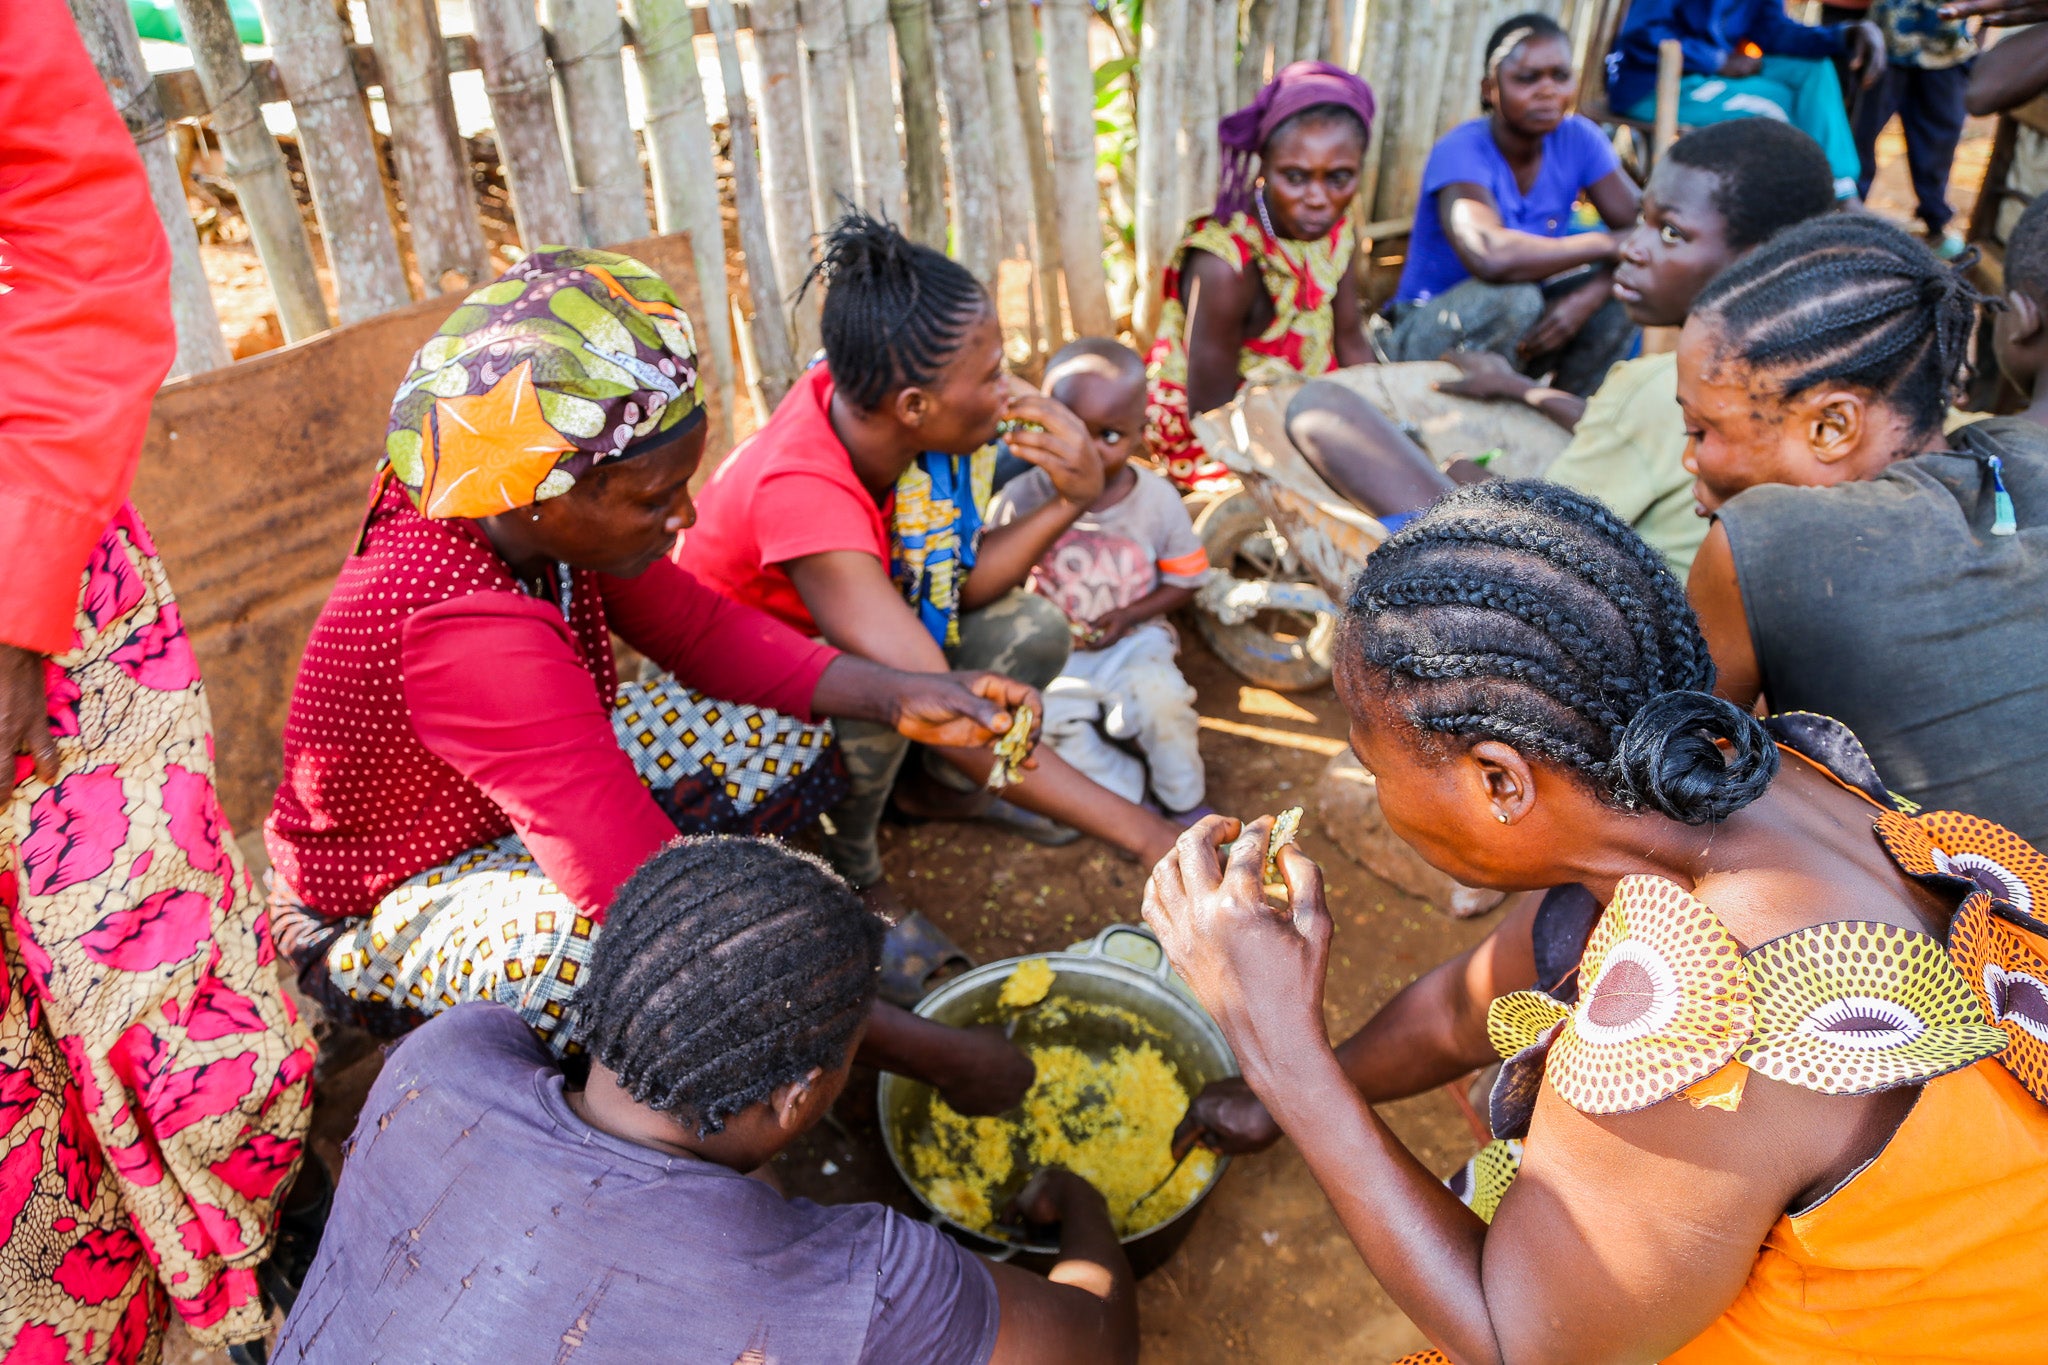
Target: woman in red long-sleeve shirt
{"type": "Point", "coordinates": [465, 782]}
{"type": "Point", "coordinates": [153, 1078]}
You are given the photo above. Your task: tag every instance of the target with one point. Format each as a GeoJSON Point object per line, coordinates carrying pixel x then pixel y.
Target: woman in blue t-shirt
{"type": "Point", "coordinates": [1493, 264]}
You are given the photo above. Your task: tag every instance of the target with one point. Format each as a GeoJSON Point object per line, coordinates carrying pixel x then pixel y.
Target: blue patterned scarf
{"type": "Point", "coordinates": [936, 533]}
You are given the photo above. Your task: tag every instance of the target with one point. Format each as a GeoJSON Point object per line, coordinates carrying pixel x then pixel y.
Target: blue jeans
{"type": "Point", "coordinates": [1931, 113]}
{"type": "Point", "coordinates": [1801, 91]}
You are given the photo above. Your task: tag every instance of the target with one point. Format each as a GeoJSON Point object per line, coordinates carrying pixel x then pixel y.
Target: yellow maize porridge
{"type": "Point", "coordinates": [1026, 984]}
{"type": "Point", "coordinates": [1110, 1120]}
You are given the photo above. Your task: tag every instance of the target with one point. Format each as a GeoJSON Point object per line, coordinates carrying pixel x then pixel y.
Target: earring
{"type": "Point", "coordinates": [536, 515]}
{"type": "Point", "coordinates": [1501, 816]}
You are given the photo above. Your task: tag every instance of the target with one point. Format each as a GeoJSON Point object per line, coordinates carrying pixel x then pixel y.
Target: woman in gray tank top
{"type": "Point", "coordinates": [1865, 565]}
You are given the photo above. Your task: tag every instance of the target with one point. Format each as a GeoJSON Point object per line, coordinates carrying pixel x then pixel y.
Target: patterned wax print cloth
{"type": "Point", "coordinates": [154, 1080]}
{"type": "Point", "coordinates": [563, 361]}
{"type": "Point", "coordinates": [935, 534]}
{"type": "Point", "coordinates": [1300, 278]}
{"type": "Point", "coordinates": [488, 924]}
{"type": "Point", "coordinates": [1669, 1004]}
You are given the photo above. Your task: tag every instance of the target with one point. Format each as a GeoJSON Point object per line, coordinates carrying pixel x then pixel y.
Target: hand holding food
{"type": "Point", "coordinates": [1011, 751]}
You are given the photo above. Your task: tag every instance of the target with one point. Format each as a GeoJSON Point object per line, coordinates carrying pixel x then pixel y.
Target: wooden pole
{"type": "Point", "coordinates": [433, 164]}
{"type": "Point", "coordinates": [1198, 113]}
{"type": "Point", "coordinates": [977, 219]}
{"type": "Point", "coordinates": [924, 152]}
{"type": "Point", "coordinates": [1031, 110]}
{"type": "Point", "coordinates": [1006, 122]}
{"type": "Point", "coordinates": [110, 37]}
{"type": "Point", "coordinates": [1228, 20]}
{"type": "Point", "coordinates": [1258, 37]}
{"type": "Point", "coordinates": [256, 167]}
{"type": "Point", "coordinates": [1375, 46]}
{"type": "Point", "coordinates": [1286, 20]}
{"type": "Point", "coordinates": [770, 331]}
{"type": "Point", "coordinates": [828, 111]}
{"type": "Point", "coordinates": [1312, 31]}
{"type": "Point", "coordinates": [1421, 63]}
{"type": "Point", "coordinates": [1070, 93]}
{"type": "Point", "coordinates": [1458, 96]}
{"type": "Point", "coordinates": [685, 171]}
{"type": "Point", "coordinates": [1670, 73]}
{"type": "Point", "coordinates": [785, 156]}
{"type": "Point", "coordinates": [311, 52]}
{"type": "Point", "coordinates": [880, 156]}
{"type": "Point", "coordinates": [514, 56]}
{"type": "Point", "coordinates": [604, 154]}
{"type": "Point", "coordinates": [1161, 76]}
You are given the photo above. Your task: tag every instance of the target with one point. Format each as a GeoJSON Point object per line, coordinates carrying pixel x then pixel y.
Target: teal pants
{"type": "Point", "coordinates": [1801, 91]}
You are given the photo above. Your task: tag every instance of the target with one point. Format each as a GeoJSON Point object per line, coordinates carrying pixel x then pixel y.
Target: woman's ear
{"type": "Point", "coordinates": [789, 1101]}
{"type": "Point", "coordinates": [1507, 783]}
{"type": "Point", "coordinates": [911, 406]}
{"type": "Point", "coordinates": [1835, 422]}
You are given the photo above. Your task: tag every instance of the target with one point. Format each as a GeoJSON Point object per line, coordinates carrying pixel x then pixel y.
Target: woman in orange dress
{"type": "Point", "coordinates": [1784, 1099]}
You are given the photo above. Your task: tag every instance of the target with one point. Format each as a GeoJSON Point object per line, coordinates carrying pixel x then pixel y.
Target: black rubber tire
{"type": "Point", "coordinates": [1273, 649]}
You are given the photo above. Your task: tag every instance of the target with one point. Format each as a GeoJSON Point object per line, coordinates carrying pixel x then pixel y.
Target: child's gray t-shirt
{"type": "Point", "coordinates": [1109, 559]}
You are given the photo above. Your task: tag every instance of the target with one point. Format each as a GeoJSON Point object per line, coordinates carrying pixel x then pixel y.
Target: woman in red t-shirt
{"type": "Point", "coordinates": [465, 783]}
{"type": "Point", "coordinates": [855, 514]}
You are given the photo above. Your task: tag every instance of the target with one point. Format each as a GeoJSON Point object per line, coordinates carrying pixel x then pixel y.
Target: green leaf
{"type": "Point", "coordinates": [1107, 74]}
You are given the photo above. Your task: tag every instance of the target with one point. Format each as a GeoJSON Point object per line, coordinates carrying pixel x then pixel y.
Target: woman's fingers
{"type": "Point", "coordinates": [1244, 876]}
{"type": "Point", "coordinates": [1304, 877]}
{"type": "Point", "coordinates": [1201, 866]}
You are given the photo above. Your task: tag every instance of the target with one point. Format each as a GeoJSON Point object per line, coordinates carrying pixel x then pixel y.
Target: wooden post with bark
{"type": "Point", "coordinates": [828, 110]}
{"type": "Point", "coordinates": [924, 155]}
{"type": "Point", "coordinates": [110, 37]}
{"type": "Point", "coordinates": [1160, 80]}
{"type": "Point", "coordinates": [1312, 31]}
{"type": "Point", "coordinates": [521, 90]}
{"type": "Point", "coordinates": [255, 166]}
{"type": "Point", "coordinates": [1031, 111]}
{"type": "Point", "coordinates": [433, 164]}
{"type": "Point", "coordinates": [311, 52]}
{"type": "Point", "coordinates": [774, 358]}
{"type": "Point", "coordinates": [1070, 93]}
{"type": "Point", "coordinates": [872, 78]}
{"type": "Point", "coordinates": [1013, 158]}
{"type": "Point", "coordinates": [1258, 39]}
{"type": "Point", "coordinates": [685, 171]}
{"type": "Point", "coordinates": [1284, 23]}
{"type": "Point", "coordinates": [977, 219]}
{"type": "Point", "coordinates": [604, 155]}
{"type": "Point", "coordinates": [785, 155]}
{"type": "Point", "coordinates": [1198, 114]}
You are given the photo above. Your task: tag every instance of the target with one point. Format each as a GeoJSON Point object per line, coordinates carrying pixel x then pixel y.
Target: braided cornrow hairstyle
{"type": "Point", "coordinates": [1529, 613]}
{"type": "Point", "coordinates": [1849, 298]}
{"type": "Point", "coordinates": [727, 967]}
{"type": "Point", "coordinates": [894, 310]}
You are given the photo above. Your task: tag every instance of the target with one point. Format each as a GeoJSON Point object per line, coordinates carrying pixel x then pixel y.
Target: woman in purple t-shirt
{"type": "Point", "coordinates": [1493, 264]}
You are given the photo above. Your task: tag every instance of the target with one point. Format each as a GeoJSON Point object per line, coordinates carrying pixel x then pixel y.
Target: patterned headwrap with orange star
{"type": "Point", "coordinates": [567, 359]}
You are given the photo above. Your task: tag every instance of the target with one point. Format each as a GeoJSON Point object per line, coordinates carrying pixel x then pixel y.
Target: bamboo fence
{"type": "Point", "coordinates": [972, 122]}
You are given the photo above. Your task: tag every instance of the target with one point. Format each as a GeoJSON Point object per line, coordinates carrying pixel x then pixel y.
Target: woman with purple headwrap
{"type": "Point", "coordinates": [1262, 289]}
{"type": "Point", "coordinates": [1494, 263]}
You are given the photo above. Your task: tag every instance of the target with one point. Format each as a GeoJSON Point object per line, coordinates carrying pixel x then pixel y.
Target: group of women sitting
{"type": "Point", "coordinates": [1845, 992]}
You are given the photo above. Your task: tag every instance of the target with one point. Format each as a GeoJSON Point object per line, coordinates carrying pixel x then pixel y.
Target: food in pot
{"type": "Point", "coordinates": [1026, 984]}
{"type": "Point", "coordinates": [1108, 1119]}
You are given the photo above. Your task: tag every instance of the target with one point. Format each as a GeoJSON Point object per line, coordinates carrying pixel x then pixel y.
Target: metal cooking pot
{"type": "Point", "coordinates": [1123, 965]}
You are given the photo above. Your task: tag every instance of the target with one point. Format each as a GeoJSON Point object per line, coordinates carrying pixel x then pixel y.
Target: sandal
{"type": "Point", "coordinates": [916, 956]}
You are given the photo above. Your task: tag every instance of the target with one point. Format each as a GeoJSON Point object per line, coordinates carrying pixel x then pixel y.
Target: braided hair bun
{"type": "Point", "coordinates": [1529, 613]}
{"type": "Point", "coordinates": [895, 311]}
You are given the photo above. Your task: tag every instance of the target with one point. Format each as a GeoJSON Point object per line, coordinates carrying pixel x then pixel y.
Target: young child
{"type": "Point", "coordinates": [2019, 332]}
{"type": "Point", "coordinates": [1126, 562]}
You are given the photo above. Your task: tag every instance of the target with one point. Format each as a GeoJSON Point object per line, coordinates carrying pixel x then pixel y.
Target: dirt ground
{"type": "Point", "coordinates": [1267, 1273]}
